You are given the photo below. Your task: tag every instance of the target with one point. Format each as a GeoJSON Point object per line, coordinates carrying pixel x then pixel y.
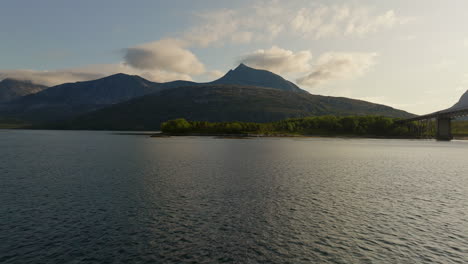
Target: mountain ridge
{"type": "Point", "coordinates": [10, 89]}
{"type": "Point", "coordinates": [221, 103]}
{"type": "Point", "coordinates": [71, 100]}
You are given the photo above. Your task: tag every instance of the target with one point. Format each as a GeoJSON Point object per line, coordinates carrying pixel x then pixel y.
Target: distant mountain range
{"type": "Point", "coordinates": [243, 94]}
{"type": "Point", "coordinates": [11, 89]}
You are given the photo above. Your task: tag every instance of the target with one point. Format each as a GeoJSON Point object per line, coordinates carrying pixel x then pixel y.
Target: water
{"type": "Point", "coordinates": [97, 197]}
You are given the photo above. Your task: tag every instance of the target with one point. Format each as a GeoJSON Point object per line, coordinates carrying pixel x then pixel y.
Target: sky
{"type": "Point", "coordinates": [408, 54]}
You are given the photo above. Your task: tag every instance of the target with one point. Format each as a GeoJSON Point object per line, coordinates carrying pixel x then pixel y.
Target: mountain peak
{"type": "Point", "coordinates": [242, 66]}
{"type": "Point", "coordinates": [245, 75]}
{"type": "Point", "coordinates": [119, 76]}
{"type": "Point", "coordinates": [122, 79]}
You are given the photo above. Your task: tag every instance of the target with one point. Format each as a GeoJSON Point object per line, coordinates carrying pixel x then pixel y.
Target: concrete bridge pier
{"type": "Point", "coordinates": [444, 128]}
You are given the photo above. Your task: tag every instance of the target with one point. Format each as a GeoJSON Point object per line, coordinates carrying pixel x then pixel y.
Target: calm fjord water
{"type": "Point", "coordinates": [97, 197]}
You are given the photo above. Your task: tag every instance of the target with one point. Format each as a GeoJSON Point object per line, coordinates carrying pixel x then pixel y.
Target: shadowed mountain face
{"type": "Point", "coordinates": [11, 89]}
{"type": "Point", "coordinates": [244, 75]}
{"type": "Point", "coordinates": [109, 90]}
{"type": "Point", "coordinates": [222, 103]}
{"type": "Point", "coordinates": [71, 99]}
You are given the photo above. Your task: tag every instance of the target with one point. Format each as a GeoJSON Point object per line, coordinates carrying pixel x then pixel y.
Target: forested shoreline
{"type": "Point", "coordinates": [359, 126]}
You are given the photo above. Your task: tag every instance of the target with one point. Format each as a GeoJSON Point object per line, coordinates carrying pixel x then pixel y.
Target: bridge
{"type": "Point", "coordinates": [443, 121]}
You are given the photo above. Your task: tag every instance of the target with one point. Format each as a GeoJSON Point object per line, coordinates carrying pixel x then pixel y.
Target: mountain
{"type": "Point", "coordinates": [131, 102]}
{"type": "Point", "coordinates": [222, 103]}
{"type": "Point", "coordinates": [11, 89]}
{"type": "Point", "coordinates": [461, 104]}
{"type": "Point", "coordinates": [244, 75]}
{"type": "Point", "coordinates": [71, 99]}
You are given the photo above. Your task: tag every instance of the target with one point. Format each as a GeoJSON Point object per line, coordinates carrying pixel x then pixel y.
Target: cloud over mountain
{"type": "Point", "coordinates": [49, 78]}
{"type": "Point", "coordinates": [169, 59]}
{"type": "Point", "coordinates": [279, 60]}
{"type": "Point", "coordinates": [338, 65]}
{"type": "Point", "coordinates": [166, 54]}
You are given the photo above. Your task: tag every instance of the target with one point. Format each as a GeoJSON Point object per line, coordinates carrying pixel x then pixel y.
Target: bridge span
{"type": "Point", "coordinates": [443, 121]}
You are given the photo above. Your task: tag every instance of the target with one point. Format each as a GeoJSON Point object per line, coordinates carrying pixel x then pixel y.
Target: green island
{"type": "Point", "coordinates": [328, 126]}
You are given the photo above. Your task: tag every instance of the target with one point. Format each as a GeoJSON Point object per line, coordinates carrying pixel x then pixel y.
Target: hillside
{"type": "Point", "coordinates": [222, 103]}
{"type": "Point", "coordinates": [11, 89]}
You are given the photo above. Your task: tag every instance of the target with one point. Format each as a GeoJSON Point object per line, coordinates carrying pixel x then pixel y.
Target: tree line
{"type": "Point", "coordinates": [316, 125]}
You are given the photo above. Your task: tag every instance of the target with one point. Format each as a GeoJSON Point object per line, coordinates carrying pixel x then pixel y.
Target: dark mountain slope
{"type": "Point", "coordinates": [11, 89]}
{"type": "Point", "coordinates": [222, 103]}
{"type": "Point", "coordinates": [70, 99]}
{"type": "Point", "coordinates": [246, 76]}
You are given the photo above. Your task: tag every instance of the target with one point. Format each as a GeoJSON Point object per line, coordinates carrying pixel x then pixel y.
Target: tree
{"type": "Point", "coordinates": [179, 125]}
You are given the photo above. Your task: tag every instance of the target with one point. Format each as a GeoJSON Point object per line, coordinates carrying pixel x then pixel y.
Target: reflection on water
{"type": "Point", "coordinates": [98, 197]}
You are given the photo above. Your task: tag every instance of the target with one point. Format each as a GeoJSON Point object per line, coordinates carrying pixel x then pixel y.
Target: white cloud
{"type": "Point", "coordinates": [261, 21]}
{"type": "Point", "coordinates": [338, 65]}
{"type": "Point", "coordinates": [164, 55]}
{"type": "Point", "coordinates": [325, 21]}
{"type": "Point", "coordinates": [279, 60]}
{"type": "Point", "coordinates": [212, 27]}
{"type": "Point", "coordinates": [265, 20]}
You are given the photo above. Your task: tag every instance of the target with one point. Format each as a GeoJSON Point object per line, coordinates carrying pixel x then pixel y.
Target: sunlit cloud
{"type": "Point", "coordinates": [337, 66]}
{"type": "Point", "coordinates": [264, 21]}
{"type": "Point", "coordinates": [169, 59]}
{"type": "Point", "coordinates": [165, 55]}
{"type": "Point", "coordinates": [326, 21]}
{"type": "Point", "coordinates": [279, 60]}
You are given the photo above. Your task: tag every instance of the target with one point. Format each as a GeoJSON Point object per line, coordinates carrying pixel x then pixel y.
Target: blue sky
{"type": "Point", "coordinates": [411, 55]}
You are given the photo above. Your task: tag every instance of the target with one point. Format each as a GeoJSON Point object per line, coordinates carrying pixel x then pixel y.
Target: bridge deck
{"type": "Point", "coordinates": [440, 114]}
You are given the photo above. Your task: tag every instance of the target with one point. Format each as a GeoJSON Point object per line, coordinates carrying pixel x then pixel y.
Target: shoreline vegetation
{"type": "Point", "coordinates": [317, 126]}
